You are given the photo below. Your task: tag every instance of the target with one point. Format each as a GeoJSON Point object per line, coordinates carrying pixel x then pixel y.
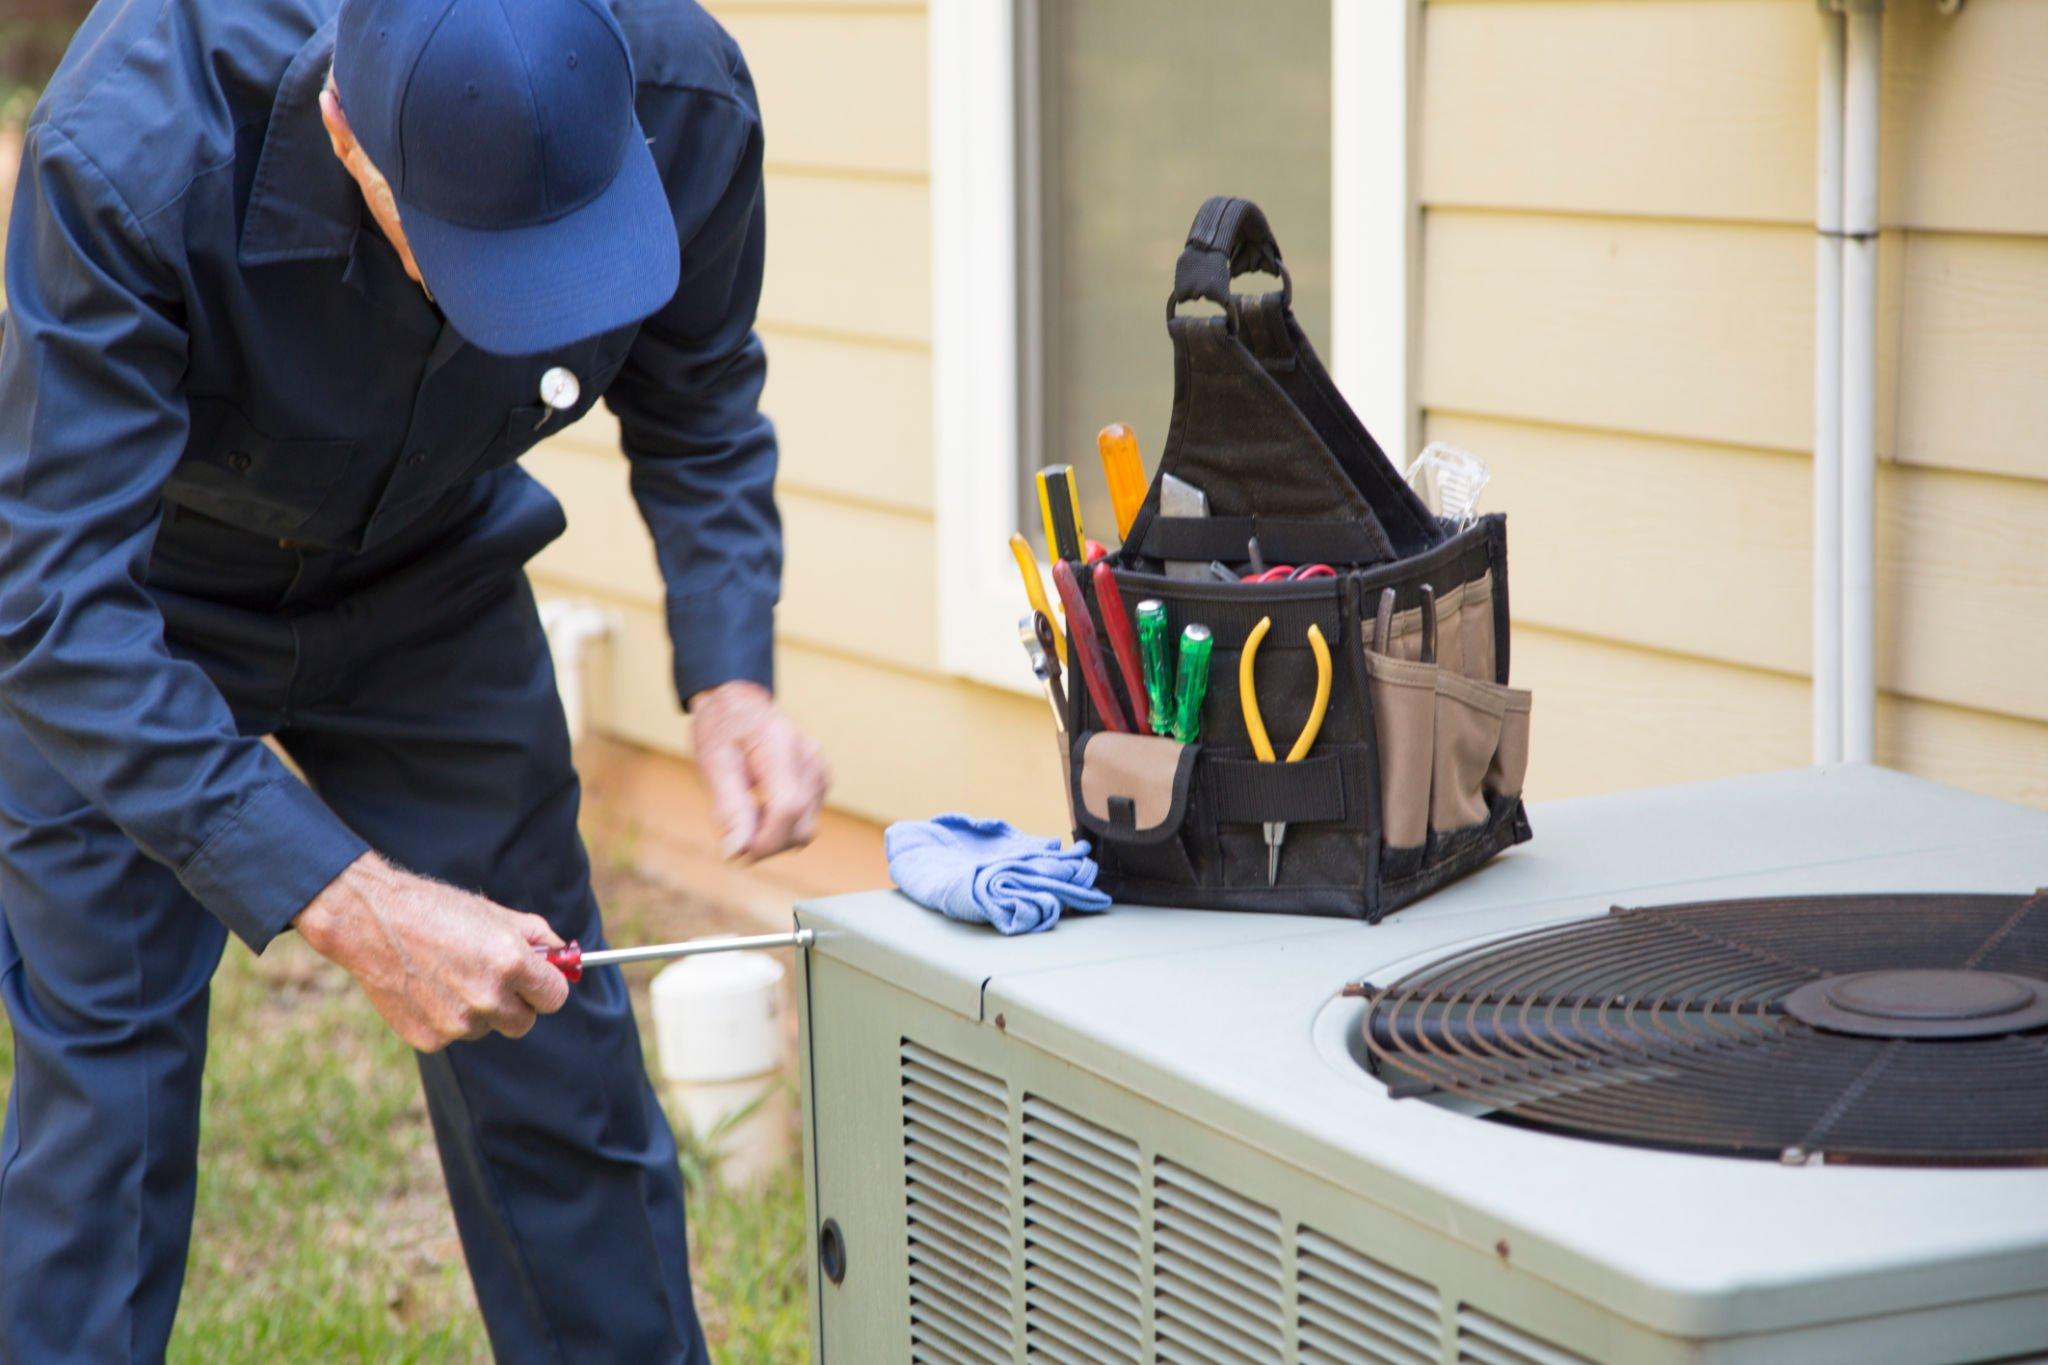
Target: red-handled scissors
{"type": "Point", "coordinates": [1287, 573]}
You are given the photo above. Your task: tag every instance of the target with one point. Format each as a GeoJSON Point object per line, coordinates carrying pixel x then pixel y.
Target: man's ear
{"type": "Point", "coordinates": [339, 135]}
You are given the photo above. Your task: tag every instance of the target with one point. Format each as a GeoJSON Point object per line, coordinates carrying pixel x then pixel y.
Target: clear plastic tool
{"type": "Point", "coordinates": [1449, 480]}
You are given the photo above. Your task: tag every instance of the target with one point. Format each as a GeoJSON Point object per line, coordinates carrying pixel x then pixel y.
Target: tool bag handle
{"type": "Point", "coordinates": [1260, 427]}
{"type": "Point", "coordinates": [1229, 237]}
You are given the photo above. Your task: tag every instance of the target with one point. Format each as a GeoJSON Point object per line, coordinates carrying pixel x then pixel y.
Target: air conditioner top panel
{"type": "Point", "coordinates": [1234, 1021]}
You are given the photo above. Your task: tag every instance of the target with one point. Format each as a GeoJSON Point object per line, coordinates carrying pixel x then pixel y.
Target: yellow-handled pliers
{"type": "Point", "coordinates": [1255, 723]}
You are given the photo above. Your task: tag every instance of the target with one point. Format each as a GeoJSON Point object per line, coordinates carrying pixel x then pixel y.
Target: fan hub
{"type": "Point", "coordinates": [1921, 1002]}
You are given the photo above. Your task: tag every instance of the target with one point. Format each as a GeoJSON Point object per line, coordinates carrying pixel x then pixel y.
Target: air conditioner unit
{"type": "Point", "coordinates": [1152, 1135]}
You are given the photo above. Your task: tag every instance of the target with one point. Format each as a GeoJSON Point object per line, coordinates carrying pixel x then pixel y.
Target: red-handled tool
{"type": "Point", "coordinates": [1123, 641]}
{"type": "Point", "coordinates": [1087, 647]}
{"type": "Point", "coordinates": [572, 959]}
{"type": "Point", "coordinates": [1287, 573]}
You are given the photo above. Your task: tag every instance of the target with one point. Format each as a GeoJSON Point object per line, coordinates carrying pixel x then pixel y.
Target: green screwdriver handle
{"type": "Point", "coordinates": [1192, 683]}
{"type": "Point", "coordinates": [1158, 673]}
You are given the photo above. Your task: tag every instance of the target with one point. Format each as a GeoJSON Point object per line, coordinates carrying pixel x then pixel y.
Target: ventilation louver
{"type": "Point", "coordinates": [1091, 1227]}
{"type": "Point", "coordinates": [1217, 1285]}
{"type": "Point", "coordinates": [1083, 1239]}
{"type": "Point", "coordinates": [956, 1138]}
{"type": "Point", "coordinates": [1353, 1308]}
{"type": "Point", "coordinates": [1485, 1340]}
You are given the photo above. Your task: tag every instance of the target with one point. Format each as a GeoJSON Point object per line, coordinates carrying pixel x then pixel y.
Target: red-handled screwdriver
{"type": "Point", "coordinates": [572, 959]}
{"type": "Point", "coordinates": [1123, 643]}
{"type": "Point", "coordinates": [1087, 648]}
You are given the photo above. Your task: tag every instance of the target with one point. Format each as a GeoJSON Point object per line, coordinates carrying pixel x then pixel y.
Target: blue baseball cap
{"type": "Point", "coordinates": [525, 186]}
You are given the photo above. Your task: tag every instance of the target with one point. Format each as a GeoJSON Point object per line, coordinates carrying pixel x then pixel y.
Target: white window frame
{"type": "Point", "coordinates": [977, 401]}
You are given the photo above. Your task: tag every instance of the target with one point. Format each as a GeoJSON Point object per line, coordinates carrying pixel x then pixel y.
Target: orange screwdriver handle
{"type": "Point", "coordinates": [1123, 471]}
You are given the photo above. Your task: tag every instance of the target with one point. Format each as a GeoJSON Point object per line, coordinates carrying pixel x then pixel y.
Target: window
{"type": "Point", "coordinates": [1131, 114]}
{"type": "Point", "coordinates": [1072, 141]}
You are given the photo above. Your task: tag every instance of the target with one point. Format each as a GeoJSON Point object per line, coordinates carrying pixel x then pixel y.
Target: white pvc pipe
{"type": "Point", "coordinates": [572, 628]}
{"type": "Point", "coordinates": [1827, 401]}
{"type": "Point", "coordinates": [1859, 383]}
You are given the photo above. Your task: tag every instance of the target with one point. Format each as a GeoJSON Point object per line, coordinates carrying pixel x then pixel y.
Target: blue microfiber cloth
{"type": "Point", "coordinates": [986, 871]}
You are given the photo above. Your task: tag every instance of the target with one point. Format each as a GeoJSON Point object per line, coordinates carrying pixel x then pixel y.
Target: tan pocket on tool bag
{"type": "Point", "coordinates": [1468, 729]}
{"type": "Point", "coordinates": [1404, 721]}
{"type": "Point", "coordinates": [1131, 793]}
{"type": "Point", "coordinates": [1404, 635]}
{"type": "Point", "coordinates": [1464, 624]}
{"type": "Point", "coordinates": [1511, 758]}
{"type": "Point", "coordinates": [1475, 656]}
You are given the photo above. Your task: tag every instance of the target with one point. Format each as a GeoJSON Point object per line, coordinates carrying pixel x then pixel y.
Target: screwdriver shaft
{"type": "Point", "coordinates": [733, 943]}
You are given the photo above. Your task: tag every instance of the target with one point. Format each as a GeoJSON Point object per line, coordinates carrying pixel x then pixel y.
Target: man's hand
{"type": "Point", "coordinates": [438, 963]}
{"type": "Point", "coordinates": [767, 778]}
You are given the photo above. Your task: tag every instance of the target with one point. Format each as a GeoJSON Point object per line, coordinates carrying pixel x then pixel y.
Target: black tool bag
{"type": "Point", "coordinates": [1416, 775]}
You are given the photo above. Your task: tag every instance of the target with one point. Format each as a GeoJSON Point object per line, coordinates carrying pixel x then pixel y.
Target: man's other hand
{"type": "Point", "coordinates": [439, 963]}
{"type": "Point", "coordinates": [767, 777]}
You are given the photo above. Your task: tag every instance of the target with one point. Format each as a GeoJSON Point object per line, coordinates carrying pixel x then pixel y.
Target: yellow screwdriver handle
{"type": "Point", "coordinates": [1034, 590]}
{"type": "Point", "coordinates": [1248, 691]}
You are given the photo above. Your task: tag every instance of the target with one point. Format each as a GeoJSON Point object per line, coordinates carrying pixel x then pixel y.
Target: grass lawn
{"type": "Point", "coordinates": [323, 1232]}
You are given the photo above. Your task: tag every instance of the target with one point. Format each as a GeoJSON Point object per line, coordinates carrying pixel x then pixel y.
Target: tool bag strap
{"type": "Point", "coordinates": [1229, 237]}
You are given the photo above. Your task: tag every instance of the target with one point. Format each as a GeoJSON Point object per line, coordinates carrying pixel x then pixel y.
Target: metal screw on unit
{"type": "Point", "coordinates": [1793, 1156]}
{"type": "Point", "coordinates": [832, 1251]}
{"type": "Point", "coordinates": [1500, 1248]}
{"type": "Point", "coordinates": [1002, 1023]}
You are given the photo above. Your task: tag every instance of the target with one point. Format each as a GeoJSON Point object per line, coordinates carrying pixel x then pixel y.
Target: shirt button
{"type": "Point", "coordinates": [417, 458]}
{"type": "Point", "coordinates": [239, 461]}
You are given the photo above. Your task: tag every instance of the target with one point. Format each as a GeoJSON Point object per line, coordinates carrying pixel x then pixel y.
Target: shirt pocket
{"type": "Point", "coordinates": [239, 474]}
{"type": "Point", "coordinates": [529, 424]}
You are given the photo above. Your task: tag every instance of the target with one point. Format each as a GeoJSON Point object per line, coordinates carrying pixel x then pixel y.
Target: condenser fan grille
{"type": "Point", "coordinates": [1910, 1029]}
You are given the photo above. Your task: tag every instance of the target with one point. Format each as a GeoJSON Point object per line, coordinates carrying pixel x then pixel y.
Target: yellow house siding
{"type": "Point", "coordinates": [1966, 117]}
{"type": "Point", "coordinates": [849, 257]}
{"type": "Point", "coordinates": [1617, 309]}
{"type": "Point", "coordinates": [1671, 328]}
{"type": "Point", "coordinates": [1684, 108]}
{"type": "Point", "coordinates": [831, 82]}
{"type": "Point", "coordinates": [1975, 395]}
{"type": "Point", "coordinates": [1622, 716]}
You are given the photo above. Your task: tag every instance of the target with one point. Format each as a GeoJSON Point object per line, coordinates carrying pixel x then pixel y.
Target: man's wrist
{"type": "Point", "coordinates": [322, 918]}
{"type": "Point", "coordinates": [730, 688]}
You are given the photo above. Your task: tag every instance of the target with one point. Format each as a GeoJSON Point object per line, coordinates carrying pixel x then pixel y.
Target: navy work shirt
{"type": "Point", "coordinates": [203, 314]}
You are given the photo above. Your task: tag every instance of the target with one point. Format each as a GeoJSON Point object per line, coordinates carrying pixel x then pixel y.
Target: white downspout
{"type": "Point", "coordinates": [1827, 398]}
{"type": "Point", "coordinates": [1862, 101]}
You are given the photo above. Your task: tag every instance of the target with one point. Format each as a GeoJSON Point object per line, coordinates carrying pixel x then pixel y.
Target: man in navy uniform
{"type": "Point", "coordinates": [290, 291]}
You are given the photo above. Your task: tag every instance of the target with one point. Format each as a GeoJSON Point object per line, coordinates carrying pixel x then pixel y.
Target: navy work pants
{"type": "Point", "coordinates": [413, 687]}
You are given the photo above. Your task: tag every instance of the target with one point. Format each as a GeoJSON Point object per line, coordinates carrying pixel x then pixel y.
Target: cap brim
{"type": "Point", "coordinates": [521, 291]}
